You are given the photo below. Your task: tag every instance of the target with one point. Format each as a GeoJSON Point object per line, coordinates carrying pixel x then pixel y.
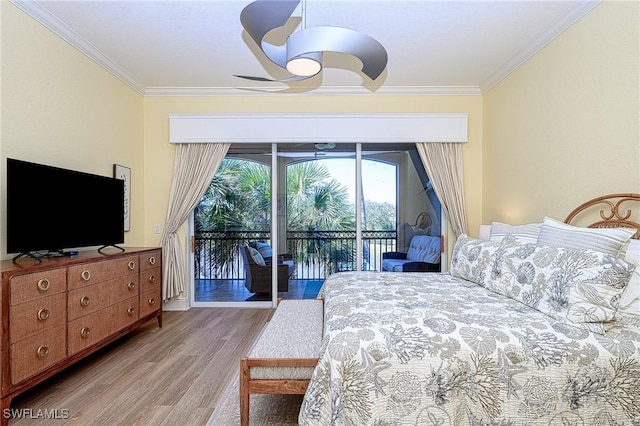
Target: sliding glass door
{"type": "Point", "coordinates": [317, 209]}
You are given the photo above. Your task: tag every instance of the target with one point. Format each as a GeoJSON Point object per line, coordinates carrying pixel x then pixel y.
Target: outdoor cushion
{"type": "Point", "coordinates": [423, 255]}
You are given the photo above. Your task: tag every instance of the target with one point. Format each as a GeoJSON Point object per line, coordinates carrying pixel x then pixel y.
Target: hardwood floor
{"type": "Point", "coordinates": [172, 375]}
{"type": "Point", "coordinates": [235, 291]}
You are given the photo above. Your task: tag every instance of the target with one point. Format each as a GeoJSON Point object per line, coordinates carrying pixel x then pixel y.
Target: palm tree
{"type": "Point", "coordinates": [239, 198]}
{"type": "Point", "coordinates": [316, 203]}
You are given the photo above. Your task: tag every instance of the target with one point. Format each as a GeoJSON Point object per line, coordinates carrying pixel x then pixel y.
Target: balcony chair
{"type": "Point", "coordinates": [267, 254]}
{"type": "Point", "coordinates": [258, 272]}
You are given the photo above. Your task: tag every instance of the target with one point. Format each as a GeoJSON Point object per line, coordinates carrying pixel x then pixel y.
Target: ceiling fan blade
{"type": "Point", "coordinates": [260, 17]}
{"type": "Point", "coordinates": [293, 78]}
{"type": "Point", "coordinates": [341, 40]}
{"type": "Point", "coordinates": [323, 146]}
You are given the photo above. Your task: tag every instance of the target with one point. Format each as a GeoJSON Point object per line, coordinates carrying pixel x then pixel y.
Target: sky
{"type": "Point", "coordinates": [378, 179]}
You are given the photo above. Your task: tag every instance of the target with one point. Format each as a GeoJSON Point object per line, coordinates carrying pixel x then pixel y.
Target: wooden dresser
{"type": "Point", "coordinates": [60, 310]}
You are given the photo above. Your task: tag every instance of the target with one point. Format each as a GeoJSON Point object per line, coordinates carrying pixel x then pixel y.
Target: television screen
{"type": "Point", "coordinates": [52, 209]}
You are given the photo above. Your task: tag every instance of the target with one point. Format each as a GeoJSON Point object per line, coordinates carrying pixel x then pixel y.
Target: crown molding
{"type": "Point", "coordinates": [320, 91]}
{"type": "Point", "coordinates": [62, 30]}
{"type": "Point", "coordinates": [34, 9]}
{"type": "Point", "coordinates": [573, 13]}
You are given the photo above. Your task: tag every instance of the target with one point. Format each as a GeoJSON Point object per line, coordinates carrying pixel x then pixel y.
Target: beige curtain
{"type": "Point", "coordinates": [194, 167]}
{"type": "Point", "coordinates": [443, 163]}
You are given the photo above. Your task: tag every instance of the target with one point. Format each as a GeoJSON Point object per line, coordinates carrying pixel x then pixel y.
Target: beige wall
{"type": "Point", "coordinates": [62, 109]}
{"type": "Point", "coordinates": [564, 127]}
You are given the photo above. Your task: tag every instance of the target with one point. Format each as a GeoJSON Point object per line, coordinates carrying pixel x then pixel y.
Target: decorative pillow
{"type": "Point", "coordinates": [527, 233]}
{"type": "Point", "coordinates": [580, 286]}
{"type": "Point", "coordinates": [256, 256]}
{"type": "Point", "coordinates": [607, 240]}
{"type": "Point", "coordinates": [472, 258]}
{"type": "Point", "coordinates": [630, 300]}
{"type": "Point", "coordinates": [264, 249]}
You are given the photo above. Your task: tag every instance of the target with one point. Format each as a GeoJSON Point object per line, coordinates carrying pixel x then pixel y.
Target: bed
{"type": "Point", "coordinates": [521, 330]}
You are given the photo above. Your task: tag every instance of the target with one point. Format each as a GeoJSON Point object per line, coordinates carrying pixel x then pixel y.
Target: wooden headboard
{"type": "Point", "coordinates": [615, 210]}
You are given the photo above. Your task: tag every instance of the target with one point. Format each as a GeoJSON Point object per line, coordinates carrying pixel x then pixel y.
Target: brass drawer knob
{"type": "Point", "coordinates": [131, 265]}
{"type": "Point", "coordinates": [43, 351]}
{"type": "Point", "coordinates": [85, 332]}
{"type": "Point", "coordinates": [84, 301]}
{"type": "Point", "coordinates": [152, 278]}
{"type": "Point", "coordinates": [131, 311]}
{"type": "Point", "coordinates": [131, 285]}
{"type": "Point", "coordinates": [85, 275]}
{"type": "Point", "coordinates": [152, 260]}
{"type": "Point", "coordinates": [43, 284]}
{"type": "Point", "coordinates": [152, 301]}
{"type": "Point", "coordinates": [43, 314]}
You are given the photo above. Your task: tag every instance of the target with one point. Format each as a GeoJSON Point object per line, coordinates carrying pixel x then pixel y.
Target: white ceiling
{"type": "Point", "coordinates": [184, 47]}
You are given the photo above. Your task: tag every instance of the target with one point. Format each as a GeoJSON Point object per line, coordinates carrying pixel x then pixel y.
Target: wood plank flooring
{"type": "Point", "coordinates": [172, 375]}
{"type": "Point", "coordinates": [235, 291]}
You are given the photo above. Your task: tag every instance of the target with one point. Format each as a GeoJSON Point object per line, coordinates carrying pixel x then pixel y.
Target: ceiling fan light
{"type": "Point", "coordinates": [303, 66]}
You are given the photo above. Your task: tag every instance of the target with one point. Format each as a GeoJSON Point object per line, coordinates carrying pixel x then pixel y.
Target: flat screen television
{"type": "Point", "coordinates": [52, 209]}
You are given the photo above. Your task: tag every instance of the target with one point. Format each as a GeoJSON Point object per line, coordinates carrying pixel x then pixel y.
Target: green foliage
{"type": "Point", "coordinates": [239, 198]}
{"type": "Point", "coordinates": [315, 203]}
{"type": "Point", "coordinates": [380, 216]}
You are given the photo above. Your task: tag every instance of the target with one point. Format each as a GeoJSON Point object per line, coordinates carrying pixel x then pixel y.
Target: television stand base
{"type": "Point", "coordinates": [110, 245]}
{"type": "Point", "coordinates": [30, 254]}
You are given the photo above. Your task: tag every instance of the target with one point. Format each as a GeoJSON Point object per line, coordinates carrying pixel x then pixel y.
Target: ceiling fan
{"type": "Point", "coordinates": [302, 53]}
{"type": "Point", "coordinates": [323, 146]}
{"type": "Point", "coordinates": [319, 146]}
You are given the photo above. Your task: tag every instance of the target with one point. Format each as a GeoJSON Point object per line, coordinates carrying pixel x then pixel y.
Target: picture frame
{"type": "Point", "coordinates": [124, 173]}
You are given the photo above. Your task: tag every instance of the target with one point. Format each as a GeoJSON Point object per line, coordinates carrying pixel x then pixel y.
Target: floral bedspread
{"type": "Point", "coordinates": [432, 349]}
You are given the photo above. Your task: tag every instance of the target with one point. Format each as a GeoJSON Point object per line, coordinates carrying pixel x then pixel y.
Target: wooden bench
{"type": "Point", "coordinates": [285, 354]}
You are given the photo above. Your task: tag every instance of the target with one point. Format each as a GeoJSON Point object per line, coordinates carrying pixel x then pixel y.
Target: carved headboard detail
{"type": "Point", "coordinates": [616, 210]}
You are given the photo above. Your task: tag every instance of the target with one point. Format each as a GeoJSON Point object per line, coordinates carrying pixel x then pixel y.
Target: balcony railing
{"type": "Point", "coordinates": [317, 254]}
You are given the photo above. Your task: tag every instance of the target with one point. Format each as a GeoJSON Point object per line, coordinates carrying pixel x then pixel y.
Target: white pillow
{"type": "Point", "coordinates": [527, 233]}
{"type": "Point", "coordinates": [580, 286]}
{"type": "Point", "coordinates": [630, 300]}
{"type": "Point", "coordinates": [606, 240]}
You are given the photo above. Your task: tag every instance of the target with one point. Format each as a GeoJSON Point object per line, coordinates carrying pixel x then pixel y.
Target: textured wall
{"type": "Point", "coordinates": [564, 127]}
{"type": "Point", "coordinates": [60, 108]}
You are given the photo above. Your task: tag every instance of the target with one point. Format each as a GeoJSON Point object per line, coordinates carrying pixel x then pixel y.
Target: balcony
{"type": "Point", "coordinates": [317, 254]}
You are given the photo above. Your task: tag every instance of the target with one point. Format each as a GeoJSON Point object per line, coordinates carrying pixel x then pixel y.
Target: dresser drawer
{"type": "Point", "coordinates": [91, 273]}
{"type": "Point", "coordinates": [88, 299]}
{"type": "Point", "coordinates": [150, 279]}
{"type": "Point", "coordinates": [39, 284]}
{"type": "Point", "coordinates": [150, 260]}
{"type": "Point", "coordinates": [88, 330]}
{"type": "Point", "coordinates": [36, 316]}
{"type": "Point", "coordinates": [150, 301]}
{"type": "Point", "coordinates": [37, 353]}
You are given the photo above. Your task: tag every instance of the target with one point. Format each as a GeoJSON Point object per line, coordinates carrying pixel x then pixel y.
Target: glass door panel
{"type": "Point", "coordinates": [232, 230]}
{"type": "Point", "coordinates": [320, 212]}
{"type": "Point", "coordinates": [417, 209]}
{"type": "Point", "coordinates": [380, 171]}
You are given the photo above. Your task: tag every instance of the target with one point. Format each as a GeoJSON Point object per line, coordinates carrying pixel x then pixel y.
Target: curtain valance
{"type": "Point", "coordinates": [319, 128]}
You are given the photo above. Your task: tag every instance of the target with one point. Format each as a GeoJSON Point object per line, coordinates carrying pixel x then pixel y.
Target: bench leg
{"type": "Point", "coordinates": [244, 392]}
